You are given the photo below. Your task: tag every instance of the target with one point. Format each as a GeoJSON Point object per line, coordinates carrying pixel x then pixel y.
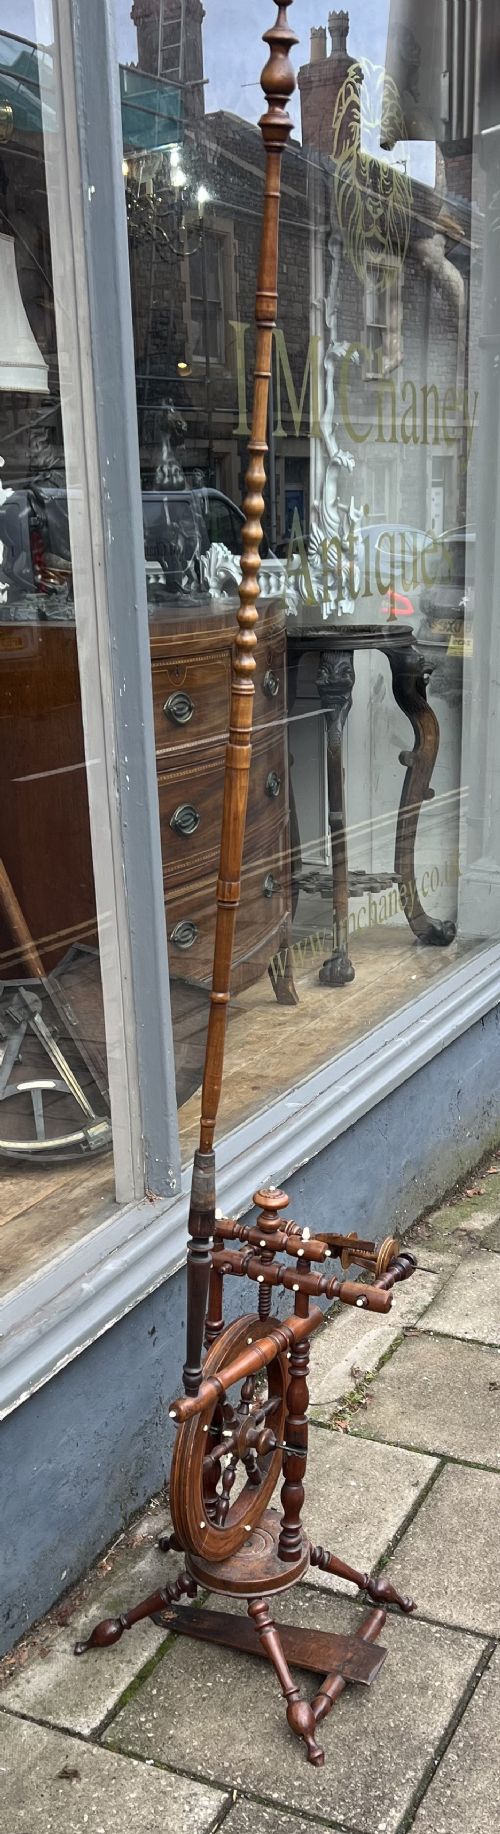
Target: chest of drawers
{"type": "Point", "coordinates": [44, 825]}
{"type": "Point", "coordinates": [191, 671]}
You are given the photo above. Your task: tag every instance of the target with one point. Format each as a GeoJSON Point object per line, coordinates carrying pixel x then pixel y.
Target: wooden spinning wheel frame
{"type": "Point", "coordinates": [233, 1442]}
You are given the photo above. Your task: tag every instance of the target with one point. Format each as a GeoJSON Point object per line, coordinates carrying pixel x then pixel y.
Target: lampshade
{"type": "Point", "coordinates": [21, 363]}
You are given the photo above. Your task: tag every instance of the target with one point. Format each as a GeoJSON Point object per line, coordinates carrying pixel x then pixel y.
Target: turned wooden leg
{"type": "Point", "coordinates": [333, 1685]}
{"type": "Point", "coordinates": [299, 1714]}
{"type": "Point", "coordinates": [410, 674]}
{"type": "Point", "coordinates": [379, 1590]}
{"type": "Point", "coordinates": [335, 683]}
{"type": "Point", "coordinates": [111, 1628]}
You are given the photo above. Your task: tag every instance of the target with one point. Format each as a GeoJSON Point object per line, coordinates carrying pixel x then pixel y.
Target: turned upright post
{"type": "Point", "coordinates": [294, 1461]}
{"type": "Point", "coordinates": [278, 83]}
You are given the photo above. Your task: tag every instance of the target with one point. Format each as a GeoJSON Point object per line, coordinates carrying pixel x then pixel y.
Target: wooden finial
{"type": "Point", "coordinates": [278, 79]}
{"type": "Point", "coordinates": [278, 84]}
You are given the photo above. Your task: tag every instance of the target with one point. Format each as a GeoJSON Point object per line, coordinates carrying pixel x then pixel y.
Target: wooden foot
{"type": "Point", "coordinates": [337, 971]}
{"type": "Point", "coordinates": [299, 1714]}
{"type": "Point", "coordinates": [379, 1590]}
{"type": "Point", "coordinates": [281, 978]}
{"type": "Point", "coordinates": [111, 1629]}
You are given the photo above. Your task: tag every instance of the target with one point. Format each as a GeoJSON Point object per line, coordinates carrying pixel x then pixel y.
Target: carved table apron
{"type": "Point", "coordinates": [410, 673]}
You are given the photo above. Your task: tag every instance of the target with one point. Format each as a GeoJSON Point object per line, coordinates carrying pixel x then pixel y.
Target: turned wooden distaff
{"type": "Point", "coordinates": [278, 83]}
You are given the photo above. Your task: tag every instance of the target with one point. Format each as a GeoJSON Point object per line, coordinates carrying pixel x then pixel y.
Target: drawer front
{"type": "Point", "coordinates": [270, 681]}
{"type": "Point", "coordinates": [191, 700]}
{"type": "Point", "coordinates": [268, 790]}
{"type": "Point", "coordinates": [191, 916]}
{"type": "Point", "coordinates": [264, 902]}
{"type": "Point", "coordinates": [190, 800]}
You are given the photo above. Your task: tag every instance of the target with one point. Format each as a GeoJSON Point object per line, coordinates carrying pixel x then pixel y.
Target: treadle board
{"type": "Point", "coordinates": [322, 1651]}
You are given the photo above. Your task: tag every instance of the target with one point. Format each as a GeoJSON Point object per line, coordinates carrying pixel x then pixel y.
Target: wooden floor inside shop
{"type": "Point", "coordinates": [270, 1049]}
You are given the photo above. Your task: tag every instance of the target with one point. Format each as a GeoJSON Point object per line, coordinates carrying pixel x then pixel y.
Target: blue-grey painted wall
{"type": "Point", "coordinates": [88, 1449]}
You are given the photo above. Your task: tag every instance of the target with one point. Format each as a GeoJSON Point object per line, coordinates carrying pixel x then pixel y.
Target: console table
{"type": "Point", "coordinates": [335, 678]}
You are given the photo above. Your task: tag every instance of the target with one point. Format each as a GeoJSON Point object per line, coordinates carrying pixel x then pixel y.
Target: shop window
{"type": "Point", "coordinates": [58, 1048]}
{"type": "Point", "coordinates": [380, 438]}
{"type": "Point", "coordinates": [377, 642]}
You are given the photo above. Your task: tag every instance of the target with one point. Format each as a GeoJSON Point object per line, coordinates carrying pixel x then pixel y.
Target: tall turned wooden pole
{"type": "Point", "coordinates": [278, 83]}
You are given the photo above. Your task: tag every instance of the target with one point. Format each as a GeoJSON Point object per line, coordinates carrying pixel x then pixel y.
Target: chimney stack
{"type": "Point", "coordinates": [320, 81]}
{"type": "Point", "coordinates": [338, 27]}
{"type": "Point", "coordinates": [318, 44]}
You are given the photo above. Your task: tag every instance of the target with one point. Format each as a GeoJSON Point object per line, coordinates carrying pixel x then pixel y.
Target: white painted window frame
{"type": "Point", "coordinates": [81, 1293]}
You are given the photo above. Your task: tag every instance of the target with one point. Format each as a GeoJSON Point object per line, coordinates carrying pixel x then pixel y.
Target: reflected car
{"type": "Point", "coordinates": [179, 527]}
{"type": "Point", "coordinates": [451, 594]}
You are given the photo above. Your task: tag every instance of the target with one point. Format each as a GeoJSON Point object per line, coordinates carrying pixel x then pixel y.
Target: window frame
{"type": "Point", "coordinates": [88, 225]}
{"type": "Point", "coordinates": [85, 1289]}
{"type": "Point", "coordinates": [222, 231]}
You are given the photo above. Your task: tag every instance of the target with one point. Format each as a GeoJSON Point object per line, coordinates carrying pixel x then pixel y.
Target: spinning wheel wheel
{"type": "Point", "coordinates": [225, 1440]}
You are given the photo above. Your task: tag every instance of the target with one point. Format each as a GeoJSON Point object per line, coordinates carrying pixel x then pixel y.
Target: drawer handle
{"type": "Point", "coordinates": [185, 934]}
{"type": "Point", "coordinates": [270, 885]}
{"type": "Point", "coordinates": [271, 684]}
{"type": "Point", "coordinates": [273, 784]}
{"type": "Point", "coordinates": [186, 819]}
{"type": "Point", "coordinates": [179, 708]}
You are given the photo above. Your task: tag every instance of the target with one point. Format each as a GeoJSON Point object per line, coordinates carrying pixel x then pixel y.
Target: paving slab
{"type": "Point", "coordinates": [352, 1343]}
{"type": "Point", "coordinates": [448, 1557]}
{"type": "Point", "coordinates": [437, 1260]}
{"type": "Point", "coordinates": [469, 1304]}
{"type": "Point", "coordinates": [358, 1496]}
{"type": "Point", "coordinates": [492, 1237]}
{"type": "Point", "coordinates": [54, 1784]}
{"type": "Point", "coordinates": [79, 1692]}
{"type": "Point", "coordinates": [463, 1213]}
{"type": "Point", "coordinates": [437, 1395]}
{"type": "Point", "coordinates": [457, 1226]}
{"type": "Point", "coordinates": [248, 1818]}
{"type": "Point", "coordinates": [464, 1796]}
{"type": "Point", "coordinates": [219, 1715]}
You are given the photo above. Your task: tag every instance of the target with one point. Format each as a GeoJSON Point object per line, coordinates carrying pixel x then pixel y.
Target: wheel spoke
{"type": "Point", "coordinates": [38, 1114]}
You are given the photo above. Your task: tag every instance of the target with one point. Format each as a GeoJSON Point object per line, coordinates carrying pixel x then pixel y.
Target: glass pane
{"type": "Point", "coordinates": [58, 1047]}
{"type": "Point", "coordinates": [378, 630]}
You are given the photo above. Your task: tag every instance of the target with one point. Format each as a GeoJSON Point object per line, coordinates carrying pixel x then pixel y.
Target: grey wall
{"type": "Point", "coordinates": [90, 1447]}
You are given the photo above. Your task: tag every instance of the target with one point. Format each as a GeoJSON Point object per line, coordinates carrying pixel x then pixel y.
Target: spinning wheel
{"type": "Point", "coordinates": [221, 1444]}
{"type": "Point", "coordinates": [232, 1440]}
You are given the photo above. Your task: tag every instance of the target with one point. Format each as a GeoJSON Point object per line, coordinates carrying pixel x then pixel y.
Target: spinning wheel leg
{"type": "Point", "coordinates": [333, 1685]}
{"type": "Point", "coordinates": [379, 1590]}
{"type": "Point", "coordinates": [168, 1543]}
{"type": "Point", "coordinates": [111, 1628]}
{"type": "Point", "coordinates": [299, 1714]}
